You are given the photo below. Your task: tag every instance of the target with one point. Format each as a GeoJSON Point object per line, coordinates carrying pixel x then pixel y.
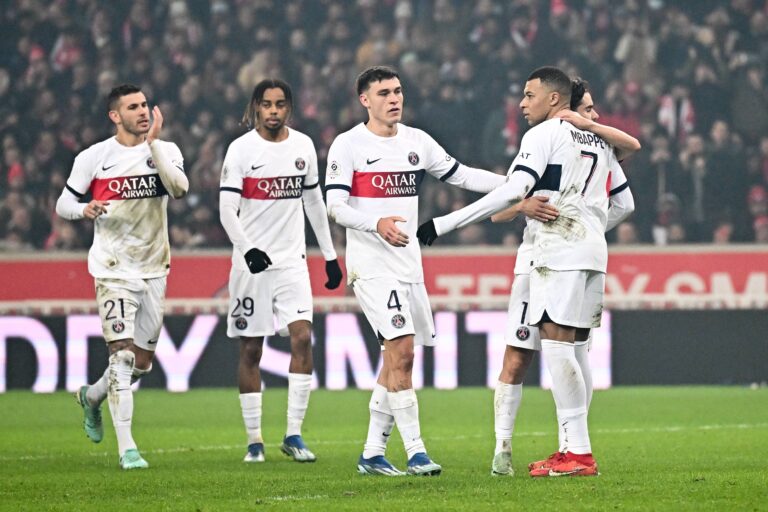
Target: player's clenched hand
{"type": "Point", "coordinates": [95, 208]}
{"type": "Point", "coordinates": [538, 208]}
{"type": "Point", "coordinates": [388, 230]}
{"type": "Point", "coordinates": [157, 125]}
{"type": "Point", "coordinates": [427, 233]}
{"type": "Point", "coordinates": [257, 260]}
{"type": "Point", "coordinates": [333, 271]}
{"type": "Point", "coordinates": [577, 120]}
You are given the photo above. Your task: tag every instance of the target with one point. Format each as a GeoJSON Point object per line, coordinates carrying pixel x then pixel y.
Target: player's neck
{"type": "Point", "coordinates": [381, 129]}
{"type": "Point", "coordinates": [273, 135]}
{"type": "Point", "coordinates": [129, 139]}
{"type": "Point", "coordinates": [557, 109]}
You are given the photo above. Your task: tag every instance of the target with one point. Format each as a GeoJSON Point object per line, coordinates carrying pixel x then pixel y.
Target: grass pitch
{"type": "Point", "coordinates": [702, 448]}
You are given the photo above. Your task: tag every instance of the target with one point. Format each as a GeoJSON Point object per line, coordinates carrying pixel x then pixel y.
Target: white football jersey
{"type": "Point", "coordinates": [383, 176]}
{"type": "Point", "coordinates": [617, 182]}
{"type": "Point", "coordinates": [131, 239]}
{"type": "Point", "coordinates": [571, 167]}
{"type": "Point", "coordinates": [270, 177]}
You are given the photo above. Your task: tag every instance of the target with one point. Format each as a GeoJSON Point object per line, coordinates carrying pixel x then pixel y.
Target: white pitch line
{"type": "Point", "coordinates": [227, 447]}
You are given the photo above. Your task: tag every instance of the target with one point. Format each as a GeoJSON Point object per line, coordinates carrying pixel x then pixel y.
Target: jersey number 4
{"type": "Point", "coordinates": [394, 302]}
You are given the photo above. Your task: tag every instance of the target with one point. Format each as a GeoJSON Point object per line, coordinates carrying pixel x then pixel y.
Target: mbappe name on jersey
{"type": "Point", "coordinates": [589, 139]}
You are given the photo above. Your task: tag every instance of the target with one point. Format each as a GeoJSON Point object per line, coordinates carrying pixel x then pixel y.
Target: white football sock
{"type": "Point", "coordinates": [250, 404]}
{"type": "Point", "coordinates": [380, 424]}
{"type": "Point", "coordinates": [582, 356]}
{"type": "Point", "coordinates": [121, 397]}
{"type": "Point", "coordinates": [568, 387]}
{"type": "Point", "coordinates": [97, 391]}
{"type": "Point", "coordinates": [506, 402]}
{"type": "Point", "coordinates": [405, 409]}
{"type": "Point", "coordinates": [299, 385]}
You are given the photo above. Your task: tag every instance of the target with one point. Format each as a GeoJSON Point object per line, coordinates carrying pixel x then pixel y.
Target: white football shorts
{"type": "Point", "coordinates": [256, 299]}
{"type": "Point", "coordinates": [518, 333]}
{"type": "Point", "coordinates": [132, 309]}
{"type": "Point", "coordinates": [394, 309]}
{"type": "Point", "coordinates": [571, 298]}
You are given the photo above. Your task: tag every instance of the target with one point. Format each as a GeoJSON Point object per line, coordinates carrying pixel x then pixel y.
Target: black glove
{"type": "Point", "coordinates": [333, 271]}
{"type": "Point", "coordinates": [427, 233]}
{"type": "Point", "coordinates": [257, 260]}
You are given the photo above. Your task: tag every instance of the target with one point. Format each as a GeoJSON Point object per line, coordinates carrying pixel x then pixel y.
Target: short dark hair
{"type": "Point", "coordinates": [553, 78]}
{"type": "Point", "coordinates": [373, 74]}
{"type": "Point", "coordinates": [579, 87]}
{"type": "Point", "coordinates": [249, 116]}
{"type": "Point", "coordinates": [118, 92]}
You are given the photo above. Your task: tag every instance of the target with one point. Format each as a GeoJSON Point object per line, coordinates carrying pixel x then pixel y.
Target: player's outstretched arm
{"type": "Point", "coordinates": [624, 143]}
{"type": "Point", "coordinates": [473, 179]}
{"type": "Point", "coordinates": [536, 207]}
{"type": "Point", "coordinates": [170, 170]}
{"type": "Point", "coordinates": [512, 192]}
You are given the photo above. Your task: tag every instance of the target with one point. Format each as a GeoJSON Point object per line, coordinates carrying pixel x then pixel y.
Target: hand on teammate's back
{"type": "Point", "coordinates": [538, 208]}
{"type": "Point", "coordinates": [257, 260]}
{"type": "Point", "coordinates": [427, 233]}
{"type": "Point", "coordinates": [333, 271]}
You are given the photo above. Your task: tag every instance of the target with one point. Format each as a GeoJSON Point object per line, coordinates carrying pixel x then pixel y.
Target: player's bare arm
{"type": "Point", "coordinates": [624, 143]}
{"type": "Point", "coordinates": [387, 228]}
{"type": "Point", "coordinates": [536, 207]}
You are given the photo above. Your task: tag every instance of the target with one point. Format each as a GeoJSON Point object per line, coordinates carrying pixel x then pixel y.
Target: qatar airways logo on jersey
{"type": "Point", "coordinates": [280, 187]}
{"type": "Point", "coordinates": [386, 184]}
{"type": "Point", "coordinates": [128, 187]}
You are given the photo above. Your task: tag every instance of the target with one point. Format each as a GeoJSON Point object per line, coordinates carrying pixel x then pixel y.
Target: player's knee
{"type": "Point", "coordinates": [140, 372]}
{"type": "Point", "coordinates": [124, 358]}
{"type": "Point", "coordinates": [250, 352]}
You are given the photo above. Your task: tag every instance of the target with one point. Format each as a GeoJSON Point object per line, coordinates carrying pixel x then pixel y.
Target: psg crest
{"type": "Point", "coordinates": [413, 158]}
{"type": "Point", "coordinates": [151, 163]}
{"type": "Point", "coordinates": [241, 323]}
{"type": "Point", "coordinates": [300, 164]}
{"type": "Point", "coordinates": [398, 321]}
{"type": "Point", "coordinates": [523, 333]}
{"type": "Point", "coordinates": [118, 326]}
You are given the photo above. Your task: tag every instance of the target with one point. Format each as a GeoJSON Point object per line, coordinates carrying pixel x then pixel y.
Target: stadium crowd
{"type": "Point", "coordinates": [686, 78]}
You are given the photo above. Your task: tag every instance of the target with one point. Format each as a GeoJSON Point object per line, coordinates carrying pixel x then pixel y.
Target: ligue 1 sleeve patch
{"type": "Point", "coordinates": [398, 321]}
{"type": "Point", "coordinates": [241, 323]}
{"type": "Point", "coordinates": [523, 333]}
{"type": "Point", "coordinates": [334, 172]}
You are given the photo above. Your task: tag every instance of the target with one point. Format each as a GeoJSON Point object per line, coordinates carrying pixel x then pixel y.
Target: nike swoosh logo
{"type": "Point", "coordinates": [385, 434]}
{"type": "Point", "coordinates": [300, 311]}
{"type": "Point", "coordinates": [369, 162]}
{"type": "Point", "coordinates": [150, 342]}
{"type": "Point", "coordinates": [254, 167]}
{"type": "Point", "coordinates": [107, 168]}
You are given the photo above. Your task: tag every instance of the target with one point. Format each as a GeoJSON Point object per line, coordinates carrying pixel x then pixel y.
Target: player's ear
{"type": "Point", "coordinates": [554, 98]}
{"type": "Point", "coordinates": [114, 116]}
{"type": "Point", "coordinates": [364, 100]}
